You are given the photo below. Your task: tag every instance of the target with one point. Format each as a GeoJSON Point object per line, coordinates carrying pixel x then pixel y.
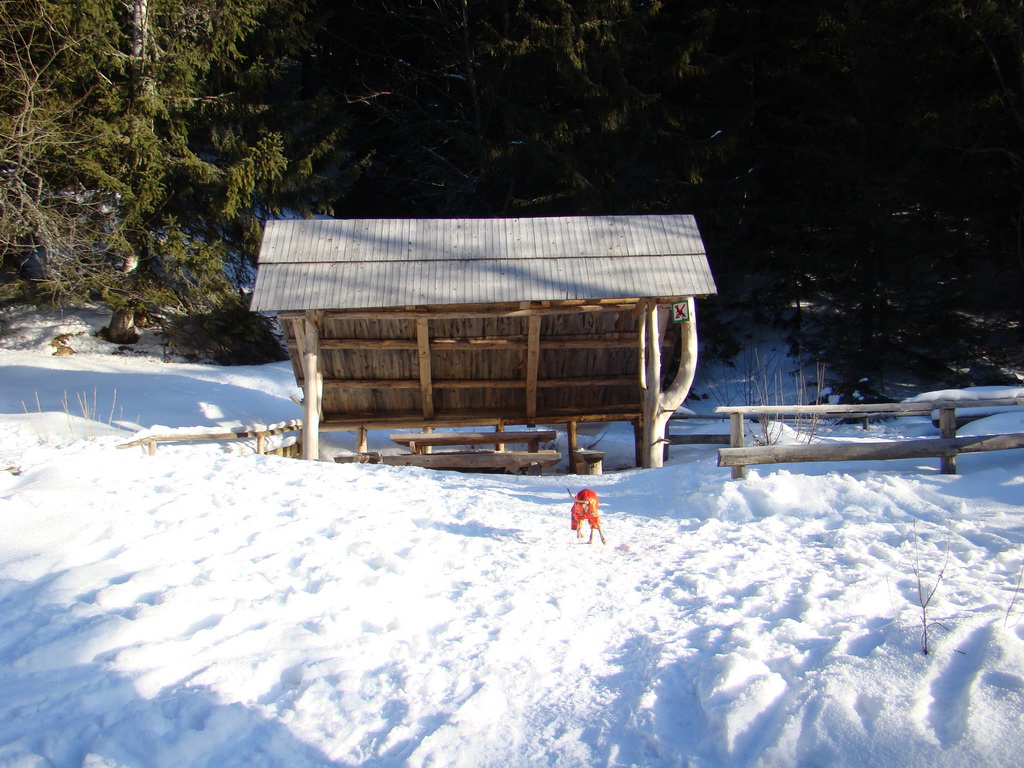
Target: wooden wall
{"type": "Point", "coordinates": [514, 364]}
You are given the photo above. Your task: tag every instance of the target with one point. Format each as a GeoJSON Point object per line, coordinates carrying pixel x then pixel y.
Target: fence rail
{"type": "Point", "coordinates": [149, 441]}
{"type": "Point", "coordinates": [946, 447]}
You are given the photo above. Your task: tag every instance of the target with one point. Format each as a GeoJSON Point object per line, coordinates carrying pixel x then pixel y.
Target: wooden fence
{"type": "Point", "coordinates": [149, 442]}
{"type": "Point", "coordinates": [946, 447]}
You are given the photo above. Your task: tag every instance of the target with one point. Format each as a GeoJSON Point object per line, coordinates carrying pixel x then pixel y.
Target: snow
{"type": "Point", "coordinates": [204, 606]}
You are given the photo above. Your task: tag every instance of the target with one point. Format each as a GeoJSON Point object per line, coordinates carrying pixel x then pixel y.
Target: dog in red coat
{"type": "Point", "coordinates": [585, 507]}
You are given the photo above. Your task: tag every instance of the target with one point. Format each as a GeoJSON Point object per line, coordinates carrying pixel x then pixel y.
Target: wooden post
{"type": "Point", "coordinates": [638, 424]}
{"type": "Point", "coordinates": [947, 428]}
{"type": "Point", "coordinates": [573, 446]}
{"type": "Point", "coordinates": [638, 439]}
{"type": "Point", "coordinates": [307, 337]}
{"type": "Point", "coordinates": [642, 347]}
{"type": "Point", "coordinates": [423, 356]}
{"type": "Point", "coordinates": [361, 440]}
{"type": "Point", "coordinates": [650, 383]}
{"type": "Point", "coordinates": [737, 440]}
{"type": "Point", "coordinates": [499, 427]}
{"type": "Point", "coordinates": [532, 365]}
{"type": "Point", "coordinates": [652, 344]}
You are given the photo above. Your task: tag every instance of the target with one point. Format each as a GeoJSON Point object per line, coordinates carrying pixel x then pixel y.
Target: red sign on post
{"type": "Point", "coordinates": [681, 312]}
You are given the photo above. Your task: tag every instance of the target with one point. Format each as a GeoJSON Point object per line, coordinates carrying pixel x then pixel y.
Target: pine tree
{"type": "Point", "coordinates": [189, 142]}
{"type": "Point", "coordinates": [860, 209]}
{"type": "Point", "coordinates": [48, 199]}
{"type": "Point", "coordinates": [493, 108]}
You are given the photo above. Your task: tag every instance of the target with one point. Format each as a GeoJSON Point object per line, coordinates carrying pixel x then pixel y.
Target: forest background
{"type": "Point", "coordinates": [855, 168]}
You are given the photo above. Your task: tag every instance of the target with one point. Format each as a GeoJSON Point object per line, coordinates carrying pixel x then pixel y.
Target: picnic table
{"type": "Point", "coordinates": [421, 445]}
{"type": "Point", "coordinates": [417, 441]}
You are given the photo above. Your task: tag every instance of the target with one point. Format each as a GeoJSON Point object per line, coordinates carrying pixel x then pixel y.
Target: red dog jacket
{"type": "Point", "coordinates": [585, 508]}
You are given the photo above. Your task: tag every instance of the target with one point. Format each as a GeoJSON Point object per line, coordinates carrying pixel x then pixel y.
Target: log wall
{"type": "Point", "coordinates": [512, 364]}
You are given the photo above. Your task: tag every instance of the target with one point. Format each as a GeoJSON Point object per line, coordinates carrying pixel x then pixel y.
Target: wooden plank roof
{"type": "Point", "coordinates": [381, 263]}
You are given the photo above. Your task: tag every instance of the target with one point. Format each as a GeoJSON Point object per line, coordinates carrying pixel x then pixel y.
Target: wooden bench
{"type": "Point", "coordinates": [417, 441]}
{"type": "Point", "coordinates": [477, 461]}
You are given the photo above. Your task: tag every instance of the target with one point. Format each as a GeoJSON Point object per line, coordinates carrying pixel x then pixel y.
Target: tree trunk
{"type": "Point", "coordinates": [122, 328]}
{"type": "Point", "coordinates": [659, 406]}
{"type": "Point", "coordinates": [139, 48]}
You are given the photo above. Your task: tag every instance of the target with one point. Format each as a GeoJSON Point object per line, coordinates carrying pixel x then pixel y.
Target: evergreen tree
{"type": "Point", "coordinates": [494, 108]}
{"type": "Point", "coordinates": [190, 139]}
{"type": "Point", "coordinates": [205, 155]}
{"type": "Point", "coordinates": [994, 111]}
{"type": "Point", "coordinates": [47, 196]}
{"type": "Point", "coordinates": [855, 167]}
{"type": "Point", "coordinates": [855, 197]}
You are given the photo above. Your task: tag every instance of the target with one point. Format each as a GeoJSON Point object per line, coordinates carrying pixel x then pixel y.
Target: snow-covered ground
{"type": "Point", "coordinates": [208, 607]}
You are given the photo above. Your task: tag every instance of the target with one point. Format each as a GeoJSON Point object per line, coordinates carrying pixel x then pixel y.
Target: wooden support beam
{"type": "Point", "coordinates": [413, 344]}
{"type": "Point", "coordinates": [574, 444]}
{"type": "Point", "coordinates": [372, 383]}
{"type": "Point", "coordinates": [488, 342]}
{"type": "Point", "coordinates": [652, 379]}
{"type": "Point", "coordinates": [423, 359]}
{"type": "Point", "coordinates": [599, 341]}
{"type": "Point", "coordinates": [486, 310]}
{"type": "Point", "coordinates": [604, 341]}
{"type": "Point", "coordinates": [532, 365]}
{"type": "Point", "coordinates": [518, 309]}
{"type": "Point", "coordinates": [641, 340]}
{"type": "Point", "coordinates": [307, 337]}
{"type": "Point", "coordinates": [602, 381]}
{"type": "Point", "coordinates": [371, 344]}
{"type": "Point", "coordinates": [493, 417]}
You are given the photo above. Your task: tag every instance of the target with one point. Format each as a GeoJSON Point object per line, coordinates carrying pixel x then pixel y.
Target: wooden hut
{"type": "Point", "coordinates": [425, 323]}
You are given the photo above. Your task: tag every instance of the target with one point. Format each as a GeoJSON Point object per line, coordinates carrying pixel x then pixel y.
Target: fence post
{"type": "Point", "coordinates": [736, 440]}
{"type": "Point", "coordinates": [947, 428]}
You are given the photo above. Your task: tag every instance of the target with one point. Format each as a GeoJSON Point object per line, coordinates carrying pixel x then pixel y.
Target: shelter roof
{"type": "Point", "coordinates": [312, 264]}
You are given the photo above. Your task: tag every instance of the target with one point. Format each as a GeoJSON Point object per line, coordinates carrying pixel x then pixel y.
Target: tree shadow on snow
{"type": "Point", "coordinates": [58, 709]}
{"type": "Point", "coordinates": [479, 530]}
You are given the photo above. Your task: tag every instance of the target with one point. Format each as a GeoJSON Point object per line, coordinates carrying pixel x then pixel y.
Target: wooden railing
{"type": "Point", "coordinates": [946, 447]}
{"type": "Point", "coordinates": [149, 441]}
